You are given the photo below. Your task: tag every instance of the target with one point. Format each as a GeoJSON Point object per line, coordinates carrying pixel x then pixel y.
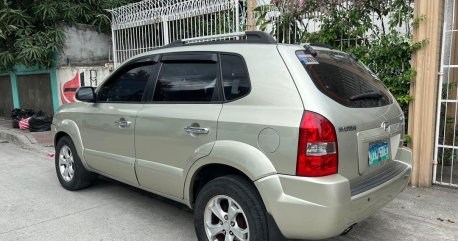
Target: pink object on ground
{"type": "Point", "coordinates": [24, 124]}
{"type": "Point", "coordinates": [51, 154]}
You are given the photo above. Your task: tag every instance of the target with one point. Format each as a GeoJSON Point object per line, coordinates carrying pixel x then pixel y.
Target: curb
{"type": "Point", "coordinates": [15, 138]}
{"type": "Point", "coordinates": [20, 140]}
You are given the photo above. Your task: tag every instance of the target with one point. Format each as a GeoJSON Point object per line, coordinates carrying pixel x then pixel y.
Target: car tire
{"type": "Point", "coordinates": [70, 171]}
{"type": "Point", "coordinates": [233, 192]}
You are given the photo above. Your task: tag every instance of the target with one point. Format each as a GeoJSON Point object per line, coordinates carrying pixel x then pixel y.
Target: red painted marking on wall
{"type": "Point", "coordinates": [68, 91]}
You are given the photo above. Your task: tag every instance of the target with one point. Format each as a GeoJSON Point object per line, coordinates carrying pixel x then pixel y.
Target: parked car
{"type": "Point", "coordinates": [264, 141]}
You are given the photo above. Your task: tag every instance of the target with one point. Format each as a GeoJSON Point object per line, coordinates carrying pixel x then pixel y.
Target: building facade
{"type": "Point", "coordinates": [85, 61]}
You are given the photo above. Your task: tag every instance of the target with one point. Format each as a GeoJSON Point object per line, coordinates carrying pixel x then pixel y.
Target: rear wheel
{"type": "Point", "coordinates": [70, 171]}
{"type": "Point", "coordinates": [230, 208]}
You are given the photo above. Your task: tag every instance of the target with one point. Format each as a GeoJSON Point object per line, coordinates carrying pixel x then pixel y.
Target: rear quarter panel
{"type": "Point", "coordinates": [268, 118]}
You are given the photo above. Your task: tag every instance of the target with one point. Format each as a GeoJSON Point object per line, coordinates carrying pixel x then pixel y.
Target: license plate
{"type": "Point", "coordinates": [378, 152]}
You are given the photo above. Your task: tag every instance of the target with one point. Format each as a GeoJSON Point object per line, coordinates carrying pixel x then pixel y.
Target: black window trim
{"type": "Point", "coordinates": [220, 96]}
{"type": "Point", "coordinates": [151, 85]}
{"type": "Point", "coordinates": [151, 60]}
{"type": "Point", "coordinates": [217, 95]}
{"type": "Point", "coordinates": [191, 56]}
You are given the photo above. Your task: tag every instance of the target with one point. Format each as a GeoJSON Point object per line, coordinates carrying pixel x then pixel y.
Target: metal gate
{"type": "Point", "coordinates": [6, 96]}
{"type": "Point", "coordinates": [446, 143]}
{"type": "Point", "coordinates": [35, 92]}
{"type": "Point", "coordinates": [149, 24]}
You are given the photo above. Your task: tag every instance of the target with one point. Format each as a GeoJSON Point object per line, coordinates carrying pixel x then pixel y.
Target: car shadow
{"type": "Point", "coordinates": [103, 182]}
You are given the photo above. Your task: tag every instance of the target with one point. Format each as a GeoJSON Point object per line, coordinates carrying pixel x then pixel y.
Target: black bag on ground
{"type": "Point", "coordinates": [14, 115]}
{"type": "Point", "coordinates": [15, 123]}
{"type": "Point", "coordinates": [18, 114]}
{"type": "Point", "coordinates": [40, 122]}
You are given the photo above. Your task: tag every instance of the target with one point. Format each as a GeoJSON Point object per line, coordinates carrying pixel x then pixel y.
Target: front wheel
{"type": "Point", "coordinates": [70, 171]}
{"type": "Point", "coordinates": [230, 208]}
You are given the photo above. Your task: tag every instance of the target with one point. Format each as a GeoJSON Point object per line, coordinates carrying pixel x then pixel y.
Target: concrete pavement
{"type": "Point", "coordinates": [33, 206]}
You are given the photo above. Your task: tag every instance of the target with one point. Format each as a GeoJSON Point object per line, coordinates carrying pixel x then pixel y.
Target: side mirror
{"type": "Point", "coordinates": [85, 94]}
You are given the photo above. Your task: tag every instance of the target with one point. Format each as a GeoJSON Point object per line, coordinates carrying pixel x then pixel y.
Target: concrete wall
{"type": "Point", "coordinates": [85, 46]}
{"type": "Point", "coordinates": [71, 78]}
{"type": "Point", "coordinates": [83, 62]}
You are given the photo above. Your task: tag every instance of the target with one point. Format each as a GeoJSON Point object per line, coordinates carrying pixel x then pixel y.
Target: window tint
{"type": "Point", "coordinates": [186, 82]}
{"type": "Point", "coordinates": [236, 82]}
{"type": "Point", "coordinates": [126, 87]}
{"type": "Point", "coordinates": [344, 79]}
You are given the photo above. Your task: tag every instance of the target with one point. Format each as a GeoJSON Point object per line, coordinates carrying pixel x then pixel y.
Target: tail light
{"type": "Point", "coordinates": [317, 150]}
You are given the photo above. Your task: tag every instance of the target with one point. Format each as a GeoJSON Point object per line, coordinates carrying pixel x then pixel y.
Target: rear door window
{"type": "Point", "coordinates": [189, 79]}
{"type": "Point", "coordinates": [344, 79]}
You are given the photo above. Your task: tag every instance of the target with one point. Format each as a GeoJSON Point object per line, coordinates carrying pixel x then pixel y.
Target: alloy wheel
{"type": "Point", "coordinates": [225, 220]}
{"type": "Point", "coordinates": [66, 163]}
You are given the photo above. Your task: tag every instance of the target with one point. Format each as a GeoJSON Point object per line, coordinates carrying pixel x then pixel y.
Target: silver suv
{"type": "Point", "coordinates": [263, 141]}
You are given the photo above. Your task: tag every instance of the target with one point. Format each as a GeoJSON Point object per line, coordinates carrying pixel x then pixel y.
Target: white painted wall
{"type": "Point", "coordinates": [71, 78]}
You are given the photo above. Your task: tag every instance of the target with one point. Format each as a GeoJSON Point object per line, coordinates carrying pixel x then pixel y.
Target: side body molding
{"type": "Point", "coordinates": [243, 157]}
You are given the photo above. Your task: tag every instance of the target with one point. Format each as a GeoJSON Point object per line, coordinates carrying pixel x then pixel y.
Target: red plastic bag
{"type": "Point", "coordinates": [24, 124]}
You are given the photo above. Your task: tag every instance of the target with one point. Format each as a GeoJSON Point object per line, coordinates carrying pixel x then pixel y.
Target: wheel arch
{"type": "Point", "coordinates": [226, 158]}
{"type": "Point", "coordinates": [206, 174]}
{"type": "Point", "coordinates": [70, 128]}
{"type": "Point", "coordinates": [59, 135]}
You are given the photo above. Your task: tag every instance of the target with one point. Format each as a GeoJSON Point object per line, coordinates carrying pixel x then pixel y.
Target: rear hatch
{"type": "Point", "coordinates": [367, 119]}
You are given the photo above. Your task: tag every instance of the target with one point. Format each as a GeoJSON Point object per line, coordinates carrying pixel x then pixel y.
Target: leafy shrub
{"type": "Point", "coordinates": [31, 31]}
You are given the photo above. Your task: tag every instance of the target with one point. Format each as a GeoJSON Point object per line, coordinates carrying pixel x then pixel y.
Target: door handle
{"type": "Point", "coordinates": [196, 130]}
{"type": "Point", "coordinates": [123, 123]}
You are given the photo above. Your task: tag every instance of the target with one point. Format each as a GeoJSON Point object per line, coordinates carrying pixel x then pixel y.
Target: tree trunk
{"type": "Point", "coordinates": [251, 21]}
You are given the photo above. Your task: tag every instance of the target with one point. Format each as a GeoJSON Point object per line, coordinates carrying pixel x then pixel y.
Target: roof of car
{"type": "Point", "coordinates": [250, 40]}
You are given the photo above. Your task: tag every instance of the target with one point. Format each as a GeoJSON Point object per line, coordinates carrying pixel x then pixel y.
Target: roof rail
{"type": "Point", "coordinates": [259, 37]}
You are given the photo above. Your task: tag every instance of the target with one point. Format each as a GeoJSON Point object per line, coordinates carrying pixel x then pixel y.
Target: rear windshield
{"type": "Point", "coordinates": [344, 79]}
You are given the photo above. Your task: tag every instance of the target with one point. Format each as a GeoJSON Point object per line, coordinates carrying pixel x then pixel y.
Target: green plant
{"type": "Point", "coordinates": [447, 156]}
{"type": "Point", "coordinates": [407, 139]}
{"type": "Point", "coordinates": [31, 31]}
{"type": "Point", "coordinates": [389, 55]}
{"type": "Point", "coordinates": [288, 27]}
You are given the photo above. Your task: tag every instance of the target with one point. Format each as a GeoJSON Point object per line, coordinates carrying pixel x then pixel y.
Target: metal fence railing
{"type": "Point", "coordinates": [446, 148]}
{"type": "Point", "coordinates": [289, 28]}
{"type": "Point", "coordinates": [150, 24]}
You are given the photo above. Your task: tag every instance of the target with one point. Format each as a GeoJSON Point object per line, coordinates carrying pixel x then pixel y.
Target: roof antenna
{"type": "Point", "coordinates": [310, 50]}
{"type": "Point", "coordinates": [353, 56]}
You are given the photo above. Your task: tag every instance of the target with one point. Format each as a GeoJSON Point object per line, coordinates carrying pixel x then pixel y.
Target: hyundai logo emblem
{"type": "Point", "coordinates": [386, 125]}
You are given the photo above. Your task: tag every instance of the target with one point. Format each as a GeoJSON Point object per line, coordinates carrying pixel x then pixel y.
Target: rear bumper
{"type": "Point", "coordinates": [319, 208]}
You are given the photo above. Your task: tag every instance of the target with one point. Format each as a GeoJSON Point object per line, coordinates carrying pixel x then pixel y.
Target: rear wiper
{"type": "Point", "coordinates": [367, 95]}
